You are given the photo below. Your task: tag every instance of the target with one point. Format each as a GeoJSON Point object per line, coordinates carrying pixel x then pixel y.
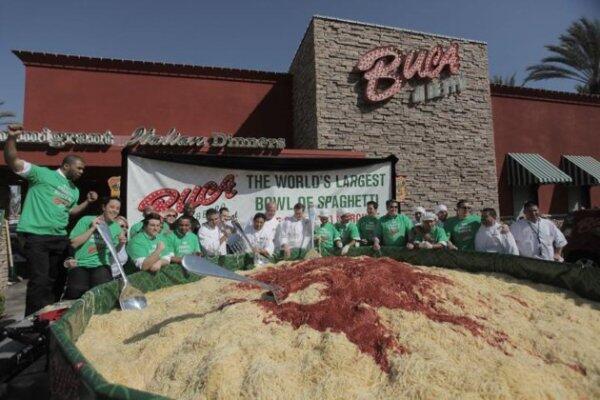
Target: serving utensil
{"type": "Point", "coordinates": [311, 252]}
{"type": "Point", "coordinates": [201, 266]}
{"type": "Point", "coordinates": [130, 298]}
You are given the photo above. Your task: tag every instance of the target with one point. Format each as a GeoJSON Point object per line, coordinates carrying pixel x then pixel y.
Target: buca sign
{"type": "Point", "coordinates": [62, 139]}
{"type": "Point", "coordinates": [386, 69]}
{"type": "Point", "coordinates": [204, 195]}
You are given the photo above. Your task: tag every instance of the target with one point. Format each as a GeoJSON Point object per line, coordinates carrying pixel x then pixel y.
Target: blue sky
{"type": "Point", "coordinates": [265, 34]}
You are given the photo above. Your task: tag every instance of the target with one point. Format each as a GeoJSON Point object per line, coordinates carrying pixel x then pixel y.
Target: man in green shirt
{"type": "Point", "coordinates": [139, 226]}
{"type": "Point", "coordinates": [393, 228]}
{"type": "Point", "coordinates": [326, 235]}
{"type": "Point", "coordinates": [348, 230]}
{"type": "Point", "coordinates": [182, 241]}
{"type": "Point", "coordinates": [51, 199]}
{"type": "Point", "coordinates": [427, 235]}
{"type": "Point", "coordinates": [367, 225]}
{"type": "Point", "coordinates": [148, 250]}
{"type": "Point", "coordinates": [462, 228]}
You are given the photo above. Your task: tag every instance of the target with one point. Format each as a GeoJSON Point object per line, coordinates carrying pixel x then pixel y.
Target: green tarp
{"type": "Point", "coordinates": [71, 377]}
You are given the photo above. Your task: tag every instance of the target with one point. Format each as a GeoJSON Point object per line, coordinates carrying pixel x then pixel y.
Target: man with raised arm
{"type": "Point", "coordinates": [51, 199]}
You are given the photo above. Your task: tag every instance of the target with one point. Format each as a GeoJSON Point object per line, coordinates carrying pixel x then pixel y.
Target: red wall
{"type": "Point", "coordinates": [77, 100]}
{"type": "Point", "coordinates": [550, 127]}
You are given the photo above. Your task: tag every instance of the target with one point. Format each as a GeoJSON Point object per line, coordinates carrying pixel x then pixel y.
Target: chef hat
{"type": "Point", "coordinates": [429, 216]}
{"type": "Point", "coordinates": [441, 207]}
{"type": "Point", "coordinates": [324, 213]}
{"type": "Point", "coordinates": [420, 210]}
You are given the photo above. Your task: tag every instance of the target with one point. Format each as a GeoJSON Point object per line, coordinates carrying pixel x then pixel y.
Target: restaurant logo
{"type": "Point", "coordinates": [148, 137]}
{"type": "Point", "coordinates": [62, 139]}
{"type": "Point", "coordinates": [437, 89]}
{"type": "Point", "coordinates": [205, 195]}
{"type": "Point", "coordinates": [386, 69]}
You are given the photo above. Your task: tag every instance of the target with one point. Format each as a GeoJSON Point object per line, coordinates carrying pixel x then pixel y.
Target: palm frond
{"type": "Point", "coordinates": [576, 57]}
{"type": "Point", "coordinates": [6, 114]}
{"type": "Point", "coordinates": [510, 80]}
{"type": "Point", "coordinates": [549, 71]}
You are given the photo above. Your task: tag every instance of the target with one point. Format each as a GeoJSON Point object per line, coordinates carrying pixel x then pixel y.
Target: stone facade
{"type": "Point", "coordinates": [304, 94]}
{"type": "Point", "coordinates": [445, 146]}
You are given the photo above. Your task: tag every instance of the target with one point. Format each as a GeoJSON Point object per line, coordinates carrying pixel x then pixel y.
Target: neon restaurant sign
{"type": "Point", "coordinates": [386, 69]}
{"type": "Point", "coordinates": [148, 137]}
{"type": "Point", "coordinates": [145, 137]}
{"type": "Point", "coordinates": [58, 140]}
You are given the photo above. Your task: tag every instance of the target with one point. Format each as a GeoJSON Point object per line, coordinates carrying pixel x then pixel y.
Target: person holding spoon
{"type": "Point", "coordinates": [92, 262]}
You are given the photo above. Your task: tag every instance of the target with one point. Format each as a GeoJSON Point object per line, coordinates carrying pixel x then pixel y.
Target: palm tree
{"type": "Point", "coordinates": [577, 57]}
{"type": "Point", "coordinates": [4, 115]}
{"type": "Point", "coordinates": [505, 80]}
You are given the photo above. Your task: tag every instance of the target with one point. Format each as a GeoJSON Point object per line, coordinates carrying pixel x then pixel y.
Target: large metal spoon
{"type": "Point", "coordinates": [311, 252]}
{"type": "Point", "coordinates": [130, 297]}
{"type": "Point", "coordinates": [201, 266]}
{"type": "Point", "coordinates": [259, 259]}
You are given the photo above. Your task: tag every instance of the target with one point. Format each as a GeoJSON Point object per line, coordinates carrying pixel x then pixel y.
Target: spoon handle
{"type": "Point", "coordinates": [102, 228]}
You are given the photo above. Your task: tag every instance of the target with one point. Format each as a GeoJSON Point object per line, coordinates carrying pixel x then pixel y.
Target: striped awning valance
{"type": "Point", "coordinates": [533, 169]}
{"type": "Point", "coordinates": [585, 170]}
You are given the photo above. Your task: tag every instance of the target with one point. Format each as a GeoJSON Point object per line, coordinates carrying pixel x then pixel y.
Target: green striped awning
{"type": "Point", "coordinates": [585, 170]}
{"type": "Point", "coordinates": [532, 169]}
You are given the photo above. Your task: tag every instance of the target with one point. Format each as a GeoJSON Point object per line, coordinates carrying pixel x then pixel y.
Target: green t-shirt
{"type": "Point", "coordinates": [328, 235]}
{"type": "Point", "coordinates": [367, 226]}
{"type": "Point", "coordinates": [393, 231]}
{"type": "Point", "coordinates": [436, 235]}
{"type": "Point", "coordinates": [93, 252]}
{"type": "Point", "coordinates": [48, 201]}
{"type": "Point", "coordinates": [141, 245]}
{"type": "Point", "coordinates": [182, 245]}
{"type": "Point", "coordinates": [462, 231]}
{"type": "Point", "coordinates": [348, 232]}
{"type": "Point", "coordinates": [139, 226]}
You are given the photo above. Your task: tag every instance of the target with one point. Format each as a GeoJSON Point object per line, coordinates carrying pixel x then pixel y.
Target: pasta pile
{"type": "Point", "coordinates": [359, 328]}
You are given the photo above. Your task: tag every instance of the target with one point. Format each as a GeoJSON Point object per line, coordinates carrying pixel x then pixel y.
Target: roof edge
{"type": "Point", "coordinates": [34, 58]}
{"type": "Point", "coordinates": [350, 21]}
{"type": "Point", "coordinates": [544, 94]}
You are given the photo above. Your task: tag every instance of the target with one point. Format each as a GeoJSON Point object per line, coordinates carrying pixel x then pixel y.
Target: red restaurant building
{"type": "Point", "coordinates": [497, 145]}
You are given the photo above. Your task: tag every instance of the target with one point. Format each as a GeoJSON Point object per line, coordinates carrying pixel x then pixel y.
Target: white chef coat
{"type": "Point", "coordinates": [537, 239]}
{"type": "Point", "coordinates": [492, 240]}
{"type": "Point", "coordinates": [261, 239]}
{"type": "Point", "coordinates": [210, 239]}
{"type": "Point", "coordinates": [271, 226]}
{"type": "Point", "coordinates": [295, 232]}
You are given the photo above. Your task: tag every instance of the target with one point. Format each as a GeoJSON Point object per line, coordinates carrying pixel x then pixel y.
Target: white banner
{"type": "Point", "coordinates": [166, 184]}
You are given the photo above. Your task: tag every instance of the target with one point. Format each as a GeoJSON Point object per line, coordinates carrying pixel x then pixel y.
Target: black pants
{"type": "Point", "coordinates": [80, 280]}
{"type": "Point", "coordinates": [45, 256]}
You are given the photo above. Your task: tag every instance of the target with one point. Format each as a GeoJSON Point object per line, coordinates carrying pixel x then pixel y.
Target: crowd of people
{"type": "Point", "coordinates": [67, 264]}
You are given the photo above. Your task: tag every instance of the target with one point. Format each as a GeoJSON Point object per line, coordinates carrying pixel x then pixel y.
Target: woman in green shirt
{"type": "Point", "coordinates": [92, 258]}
